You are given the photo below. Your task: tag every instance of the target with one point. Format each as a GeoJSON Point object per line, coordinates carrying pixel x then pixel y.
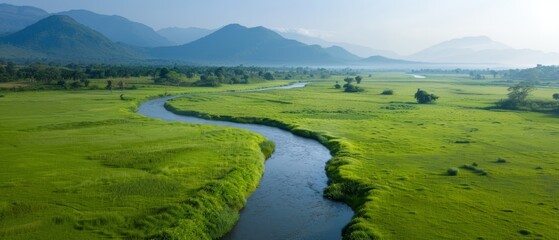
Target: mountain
{"type": "Point", "coordinates": [62, 38]}
{"type": "Point", "coordinates": [236, 44]}
{"type": "Point", "coordinates": [384, 60]}
{"type": "Point", "coordinates": [14, 18]}
{"type": "Point", "coordinates": [119, 29]}
{"type": "Point", "coordinates": [342, 54]}
{"type": "Point", "coordinates": [181, 36]}
{"type": "Point", "coordinates": [358, 50]}
{"type": "Point", "coordinates": [482, 50]}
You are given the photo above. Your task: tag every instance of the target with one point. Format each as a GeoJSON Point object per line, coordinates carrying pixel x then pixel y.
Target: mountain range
{"type": "Point", "coordinates": [119, 29]}
{"type": "Point", "coordinates": [60, 37]}
{"type": "Point", "coordinates": [32, 33]}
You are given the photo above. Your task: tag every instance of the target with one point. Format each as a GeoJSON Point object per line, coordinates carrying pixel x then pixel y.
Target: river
{"type": "Point", "coordinates": [288, 203]}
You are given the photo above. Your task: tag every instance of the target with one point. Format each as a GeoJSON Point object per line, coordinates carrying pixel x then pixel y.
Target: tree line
{"type": "Point", "coordinates": [76, 75]}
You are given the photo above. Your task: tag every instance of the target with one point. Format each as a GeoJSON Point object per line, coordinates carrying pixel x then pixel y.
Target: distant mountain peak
{"type": "Point", "coordinates": [475, 43]}
{"type": "Point", "coordinates": [481, 50]}
{"type": "Point", "coordinates": [233, 26]}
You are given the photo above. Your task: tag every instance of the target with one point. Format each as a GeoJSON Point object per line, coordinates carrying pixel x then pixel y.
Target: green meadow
{"type": "Point", "coordinates": [81, 164]}
{"type": "Point", "coordinates": [392, 156]}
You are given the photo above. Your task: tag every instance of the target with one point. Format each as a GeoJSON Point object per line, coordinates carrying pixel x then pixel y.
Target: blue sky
{"type": "Point", "coordinates": [404, 26]}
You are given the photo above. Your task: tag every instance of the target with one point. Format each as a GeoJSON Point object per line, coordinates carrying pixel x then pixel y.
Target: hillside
{"type": "Point", "coordinates": [181, 36]}
{"type": "Point", "coordinates": [14, 18]}
{"type": "Point", "coordinates": [119, 29]}
{"type": "Point", "coordinates": [61, 37]}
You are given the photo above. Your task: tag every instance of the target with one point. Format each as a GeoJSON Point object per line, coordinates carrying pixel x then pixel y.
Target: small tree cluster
{"type": "Point", "coordinates": [556, 96]}
{"type": "Point", "coordinates": [517, 95]}
{"type": "Point", "coordinates": [423, 97]}
{"type": "Point", "coordinates": [349, 87]}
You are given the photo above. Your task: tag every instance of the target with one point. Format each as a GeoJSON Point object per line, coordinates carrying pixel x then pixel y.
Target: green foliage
{"type": "Point", "coordinates": [358, 79]}
{"type": "Point", "coordinates": [337, 85]}
{"type": "Point", "coordinates": [423, 97]}
{"type": "Point", "coordinates": [452, 171]}
{"type": "Point", "coordinates": [517, 96]}
{"type": "Point", "coordinates": [388, 92]}
{"type": "Point", "coordinates": [268, 76]}
{"type": "Point", "coordinates": [352, 88]}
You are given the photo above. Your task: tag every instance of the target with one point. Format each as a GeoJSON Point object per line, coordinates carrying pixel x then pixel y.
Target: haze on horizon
{"type": "Point", "coordinates": [403, 26]}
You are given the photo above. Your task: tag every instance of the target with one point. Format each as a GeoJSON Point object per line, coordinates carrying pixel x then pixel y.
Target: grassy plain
{"type": "Point", "coordinates": [82, 165]}
{"type": "Point", "coordinates": [392, 155]}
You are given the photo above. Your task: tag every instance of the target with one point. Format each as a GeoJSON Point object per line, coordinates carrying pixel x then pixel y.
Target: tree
{"type": "Point", "coordinates": [121, 85]}
{"type": "Point", "coordinates": [517, 95]}
{"type": "Point", "coordinates": [348, 81]}
{"type": "Point", "coordinates": [423, 97]}
{"type": "Point", "coordinates": [358, 79]}
{"type": "Point", "coordinates": [352, 88]}
{"type": "Point", "coordinates": [337, 86]}
{"type": "Point", "coordinates": [268, 76]}
{"type": "Point", "coordinates": [556, 96]}
{"type": "Point", "coordinates": [109, 85]}
{"type": "Point", "coordinates": [519, 92]}
{"type": "Point", "coordinates": [494, 73]}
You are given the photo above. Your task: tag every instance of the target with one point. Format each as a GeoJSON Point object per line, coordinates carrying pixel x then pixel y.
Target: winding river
{"type": "Point", "coordinates": [288, 203]}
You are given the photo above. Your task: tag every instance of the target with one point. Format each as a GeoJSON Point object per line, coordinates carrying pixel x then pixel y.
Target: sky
{"type": "Point", "coordinates": [403, 26]}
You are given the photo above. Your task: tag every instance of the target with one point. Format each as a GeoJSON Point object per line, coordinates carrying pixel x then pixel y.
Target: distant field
{"type": "Point", "coordinates": [81, 164]}
{"type": "Point", "coordinates": [395, 154]}
{"type": "Point", "coordinates": [10, 85]}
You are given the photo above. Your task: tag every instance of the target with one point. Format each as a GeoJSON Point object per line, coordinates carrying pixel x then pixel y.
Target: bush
{"type": "Point", "coordinates": [501, 160]}
{"type": "Point", "coordinates": [452, 171]}
{"type": "Point", "coordinates": [352, 88]}
{"type": "Point", "coordinates": [337, 86]}
{"type": "Point", "coordinates": [388, 92]}
{"type": "Point", "coordinates": [423, 97]}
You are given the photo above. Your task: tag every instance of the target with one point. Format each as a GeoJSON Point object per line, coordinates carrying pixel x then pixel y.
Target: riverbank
{"type": "Point", "coordinates": [82, 165]}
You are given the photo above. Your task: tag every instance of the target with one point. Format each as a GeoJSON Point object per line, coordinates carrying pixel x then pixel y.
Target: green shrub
{"type": "Point", "coordinates": [388, 92]}
{"type": "Point", "coordinates": [475, 170]}
{"type": "Point", "coordinates": [452, 171]}
{"type": "Point", "coordinates": [423, 97]}
{"type": "Point", "coordinates": [501, 160]}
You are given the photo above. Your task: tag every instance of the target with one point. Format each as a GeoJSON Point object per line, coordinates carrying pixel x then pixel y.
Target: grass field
{"type": "Point", "coordinates": [392, 155]}
{"type": "Point", "coordinates": [82, 165]}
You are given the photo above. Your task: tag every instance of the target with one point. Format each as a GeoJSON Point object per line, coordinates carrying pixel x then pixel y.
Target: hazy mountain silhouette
{"type": "Point", "coordinates": [14, 18]}
{"type": "Point", "coordinates": [61, 37]}
{"type": "Point", "coordinates": [236, 44]}
{"type": "Point", "coordinates": [358, 50]}
{"type": "Point", "coordinates": [181, 36]}
{"type": "Point", "coordinates": [119, 29]}
{"type": "Point", "coordinates": [341, 54]}
{"type": "Point", "coordinates": [482, 50]}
